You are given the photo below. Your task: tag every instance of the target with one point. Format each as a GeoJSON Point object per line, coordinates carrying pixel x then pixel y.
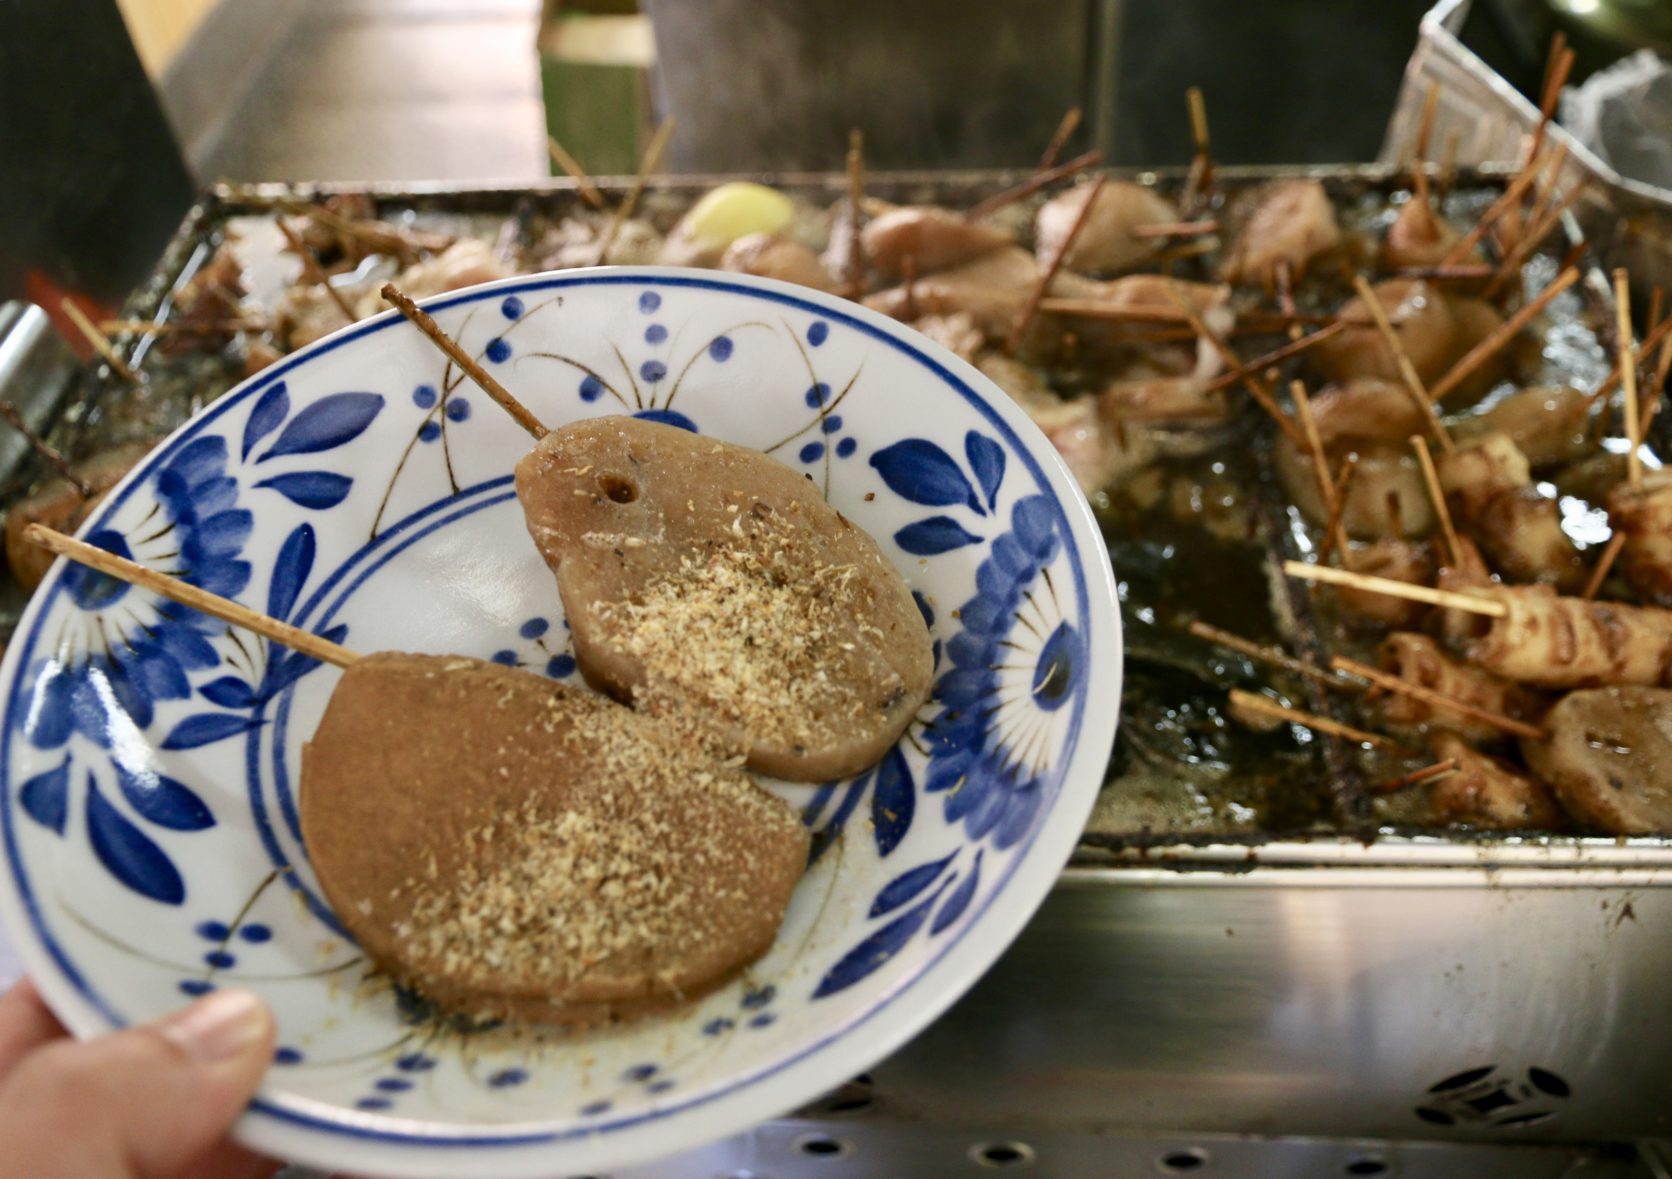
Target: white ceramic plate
{"type": "Point", "coordinates": [362, 489]}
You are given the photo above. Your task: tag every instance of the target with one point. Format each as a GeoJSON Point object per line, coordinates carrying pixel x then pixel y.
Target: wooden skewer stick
{"type": "Point", "coordinates": [1448, 162]}
{"type": "Point", "coordinates": [1334, 530]}
{"type": "Point", "coordinates": [1628, 377]}
{"type": "Point", "coordinates": [501, 395]}
{"type": "Point", "coordinates": [1320, 460]}
{"type": "Point", "coordinates": [1201, 164]}
{"type": "Point", "coordinates": [1661, 335]}
{"type": "Point", "coordinates": [572, 167]}
{"type": "Point", "coordinates": [1433, 699]}
{"type": "Point", "coordinates": [1032, 185]}
{"type": "Point", "coordinates": [39, 445]}
{"type": "Point", "coordinates": [1450, 599]}
{"type": "Point", "coordinates": [1250, 381]}
{"type": "Point", "coordinates": [1552, 179]}
{"type": "Point", "coordinates": [647, 165]}
{"type": "Point", "coordinates": [1272, 656]}
{"type": "Point", "coordinates": [146, 327]}
{"type": "Point", "coordinates": [188, 595]}
{"type": "Point", "coordinates": [1031, 310]}
{"type": "Point", "coordinates": [1502, 334]}
{"type": "Point", "coordinates": [96, 338]}
{"type": "Point", "coordinates": [1616, 542]}
{"type": "Point", "coordinates": [1556, 69]}
{"type": "Point", "coordinates": [1066, 128]}
{"type": "Point", "coordinates": [1275, 357]}
{"type": "Point", "coordinates": [1416, 777]}
{"type": "Point", "coordinates": [1511, 194]}
{"type": "Point", "coordinates": [1431, 478]}
{"type": "Point", "coordinates": [1261, 706]}
{"type": "Point", "coordinates": [1419, 158]}
{"type": "Point", "coordinates": [1511, 265]}
{"type": "Point", "coordinates": [856, 211]}
{"type": "Point", "coordinates": [1459, 273]}
{"type": "Point", "coordinates": [312, 270]}
{"type": "Point", "coordinates": [1402, 360]}
{"type": "Point", "coordinates": [1174, 229]}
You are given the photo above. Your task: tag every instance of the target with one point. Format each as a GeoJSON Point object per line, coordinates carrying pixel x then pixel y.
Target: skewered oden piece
{"type": "Point", "coordinates": [540, 852]}
{"type": "Point", "coordinates": [1489, 488]}
{"type": "Point", "coordinates": [1609, 757]}
{"type": "Point", "coordinates": [1645, 517]}
{"type": "Point", "coordinates": [1561, 642]}
{"type": "Point", "coordinates": [1419, 660]}
{"type": "Point", "coordinates": [1489, 792]}
{"type": "Point", "coordinates": [703, 577]}
{"type": "Point", "coordinates": [510, 846]}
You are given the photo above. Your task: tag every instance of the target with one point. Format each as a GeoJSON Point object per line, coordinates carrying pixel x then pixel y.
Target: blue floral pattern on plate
{"type": "Point", "coordinates": [361, 490]}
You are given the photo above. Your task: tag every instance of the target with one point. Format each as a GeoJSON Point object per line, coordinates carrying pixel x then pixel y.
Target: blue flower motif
{"type": "Point", "coordinates": [153, 644]}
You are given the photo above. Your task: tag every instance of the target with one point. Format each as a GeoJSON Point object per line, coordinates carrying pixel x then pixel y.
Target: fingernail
{"type": "Point", "coordinates": [217, 1027]}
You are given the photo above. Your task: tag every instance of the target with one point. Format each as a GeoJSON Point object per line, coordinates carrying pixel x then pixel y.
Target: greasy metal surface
{"type": "Point", "coordinates": [1317, 1002]}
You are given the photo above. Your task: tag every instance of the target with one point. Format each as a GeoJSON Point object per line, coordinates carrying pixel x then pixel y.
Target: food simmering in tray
{"type": "Point", "coordinates": [1406, 383]}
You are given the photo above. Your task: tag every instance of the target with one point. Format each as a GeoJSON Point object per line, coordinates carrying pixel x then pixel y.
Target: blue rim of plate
{"type": "Point", "coordinates": [352, 1126]}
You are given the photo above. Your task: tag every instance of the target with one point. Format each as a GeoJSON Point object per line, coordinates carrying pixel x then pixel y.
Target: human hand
{"type": "Point", "coordinates": [148, 1102]}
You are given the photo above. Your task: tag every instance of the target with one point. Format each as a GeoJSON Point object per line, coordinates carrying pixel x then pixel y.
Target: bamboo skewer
{"type": "Point", "coordinates": [96, 338]}
{"type": "Point", "coordinates": [1416, 777]}
{"type": "Point", "coordinates": [856, 208]}
{"type": "Point", "coordinates": [1547, 190]}
{"type": "Point", "coordinates": [1419, 158]}
{"type": "Point", "coordinates": [1272, 656]}
{"type": "Point", "coordinates": [1628, 378]}
{"type": "Point", "coordinates": [1450, 599]}
{"type": "Point", "coordinates": [189, 595]}
{"type": "Point", "coordinates": [647, 164]}
{"type": "Point", "coordinates": [1511, 264]}
{"type": "Point", "coordinates": [313, 271]}
{"type": "Point", "coordinates": [1320, 461]}
{"type": "Point", "coordinates": [1333, 529]}
{"type": "Point", "coordinates": [49, 453]}
{"type": "Point", "coordinates": [1031, 310]}
{"type": "Point", "coordinates": [1261, 706]}
{"type": "Point", "coordinates": [1502, 334]}
{"type": "Point", "coordinates": [1258, 391]}
{"type": "Point", "coordinates": [501, 395]}
{"type": "Point", "coordinates": [146, 327]}
{"type": "Point", "coordinates": [1431, 479]}
{"type": "Point", "coordinates": [1200, 176]}
{"type": "Point", "coordinates": [1616, 542]}
{"type": "Point", "coordinates": [1556, 69]}
{"type": "Point", "coordinates": [1059, 139]}
{"type": "Point", "coordinates": [1402, 360]}
{"type": "Point", "coordinates": [572, 167]}
{"type": "Point", "coordinates": [1511, 194]}
{"type": "Point", "coordinates": [1173, 229]}
{"type": "Point", "coordinates": [1275, 357]}
{"type": "Point", "coordinates": [1433, 699]}
{"type": "Point", "coordinates": [1459, 273]}
{"type": "Point", "coordinates": [1032, 185]}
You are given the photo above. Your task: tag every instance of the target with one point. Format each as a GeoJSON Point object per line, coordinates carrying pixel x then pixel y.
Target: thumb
{"type": "Point", "coordinates": [143, 1103]}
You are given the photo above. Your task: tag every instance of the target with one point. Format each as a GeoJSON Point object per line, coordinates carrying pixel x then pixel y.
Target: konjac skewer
{"type": "Point", "coordinates": [555, 857]}
{"type": "Point", "coordinates": [702, 577]}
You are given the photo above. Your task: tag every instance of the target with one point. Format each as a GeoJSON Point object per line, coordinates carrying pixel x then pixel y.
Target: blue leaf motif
{"type": "Point", "coordinates": [936, 535]}
{"type": "Point", "coordinates": [987, 461]}
{"type": "Point", "coordinates": [893, 802]}
{"type": "Point", "coordinates": [832, 831]}
{"type": "Point", "coordinates": [959, 899]}
{"type": "Point", "coordinates": [164, 801]}
{"type": "Point", "coordinates": [127, 854]}
{"type": "Point", "coordinates": [311, 489]}
{"type": "Point", "coordinates": [925, 474]}
{"type": "Point", "coordinates": [907, 885]}
{"type": "Point", "coordinates": [266, 416]}
{"type": "Point", "coordinates": [229, 692]}
{"type": "Point", "coordinates": [206, 728]}
{"type": "Point", "coordinates": [869, 955]}
{"type": "Point", "coordinates": [290, 571]}
{"type": "Point", "coordinates": [326, 424]}
{"type": "Point", "coordinates": [46, 796]}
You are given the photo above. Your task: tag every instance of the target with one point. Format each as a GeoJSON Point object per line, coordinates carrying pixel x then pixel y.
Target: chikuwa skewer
{"type": "Point", "coordinates": [189, 595]}
{"type": "Point", "coordinates": [1450, 599]}
{"type": "Point", "coordinates": [501, 395]}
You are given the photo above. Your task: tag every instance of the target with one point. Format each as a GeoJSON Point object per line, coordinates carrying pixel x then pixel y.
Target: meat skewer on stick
{"type": "Point", "coordinates": [1402, 361]}
{"type": "Point", "coordinates": [520, 794]}
{"type": "Point", "coordinates": [97, 339]}
{"type": "Point", "coordinates": [812, 670]}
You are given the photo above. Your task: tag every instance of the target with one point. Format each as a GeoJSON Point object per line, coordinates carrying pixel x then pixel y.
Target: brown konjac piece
{"type": "Point", "coordinates": [1609, 757]}
{"type": "Point", "coordinates": [59, 505]}
{"type": "Point", "coordinates": [712, 581]}
{"type": "Point", "coordinates": [512, 847]}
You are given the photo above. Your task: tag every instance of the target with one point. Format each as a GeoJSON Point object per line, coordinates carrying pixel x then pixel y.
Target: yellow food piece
{"type": "Point", "coordinates": [736, 210]}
